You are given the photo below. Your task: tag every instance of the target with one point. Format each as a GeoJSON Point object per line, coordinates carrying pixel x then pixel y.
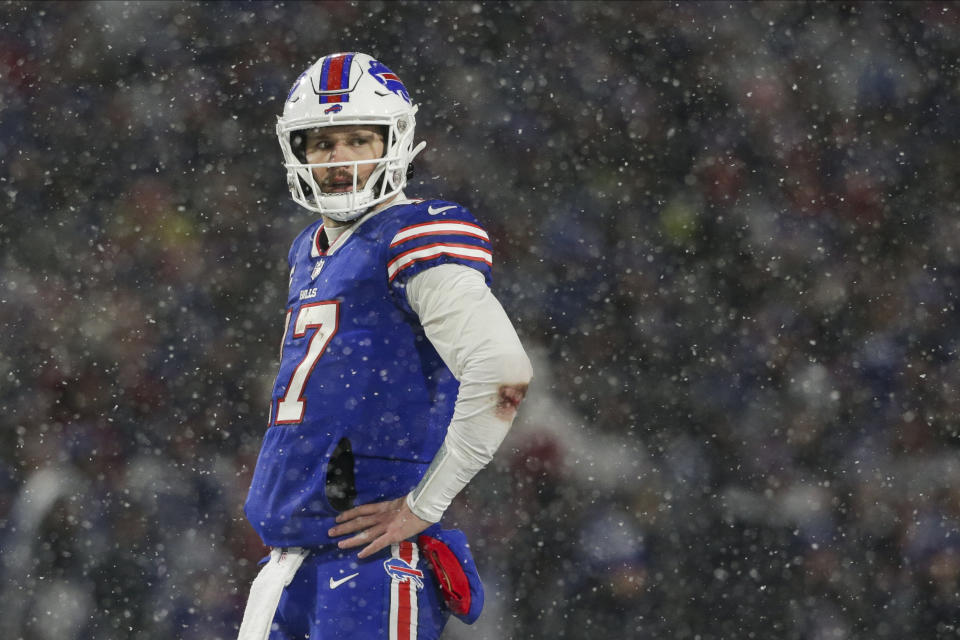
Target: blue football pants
{"type": "Point", "coordinates": [392, 595]}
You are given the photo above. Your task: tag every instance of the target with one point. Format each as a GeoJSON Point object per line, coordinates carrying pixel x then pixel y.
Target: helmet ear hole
{"type": "Point", "coordinates": [305, 187]}
{"type": "Point", "coordinates": [298, 144]}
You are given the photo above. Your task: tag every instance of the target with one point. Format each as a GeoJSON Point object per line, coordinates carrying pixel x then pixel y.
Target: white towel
{"type": "Point", "coordinates": [266, 590]}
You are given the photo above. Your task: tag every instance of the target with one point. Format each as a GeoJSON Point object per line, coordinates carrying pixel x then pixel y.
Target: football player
{"type": "Point", "coordinates": [400, 375]}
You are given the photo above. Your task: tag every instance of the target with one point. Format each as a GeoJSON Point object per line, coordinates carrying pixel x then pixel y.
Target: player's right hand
{"type": "Point", "coordinates": [379, 524]}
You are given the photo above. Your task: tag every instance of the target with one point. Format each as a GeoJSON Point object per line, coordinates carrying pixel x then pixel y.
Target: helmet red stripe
{"type": "Point", "coordinates": [335, 73]}
{"type": "Point", "coordinates": [335, 76]}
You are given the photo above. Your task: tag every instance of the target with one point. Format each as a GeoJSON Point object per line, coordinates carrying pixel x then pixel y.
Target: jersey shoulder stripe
{"type": "Point", "coordinates": [440, 227]}
{"type": "Point", "coordinates": [434, 232]}
{"type": "Point", "coordinates": [431, 251]}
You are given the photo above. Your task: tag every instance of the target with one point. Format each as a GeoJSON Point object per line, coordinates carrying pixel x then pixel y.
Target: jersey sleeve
{"type": "Point", "coordinates": [437, 233]}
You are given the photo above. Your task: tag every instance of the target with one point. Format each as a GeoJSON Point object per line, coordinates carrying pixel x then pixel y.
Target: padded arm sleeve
{"type": "Point", "coordinates": [471, 332]}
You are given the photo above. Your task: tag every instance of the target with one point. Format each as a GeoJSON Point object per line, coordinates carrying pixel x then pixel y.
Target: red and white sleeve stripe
{"type": "Point", "coordinates": [431, 251]}
{"type": "Point", "coordinates": [430, 240]}
{"type": "Point", "coordinates": [441, 227]}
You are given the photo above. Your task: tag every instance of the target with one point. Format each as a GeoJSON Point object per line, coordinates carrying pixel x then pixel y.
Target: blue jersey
{"type": "Point", "coordinates": [357, 368]}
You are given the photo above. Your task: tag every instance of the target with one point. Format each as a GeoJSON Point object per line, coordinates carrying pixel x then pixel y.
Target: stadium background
{"type": "Point", "coordinates": [726, 234]}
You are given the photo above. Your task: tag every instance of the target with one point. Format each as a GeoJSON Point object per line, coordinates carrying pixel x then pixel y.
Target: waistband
{"type": "Point", "coordinates": [331, 549]}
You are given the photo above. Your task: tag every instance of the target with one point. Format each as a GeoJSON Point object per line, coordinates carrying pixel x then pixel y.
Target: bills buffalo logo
{"type": "Point", "coordinates": [334, 109]}
{"type": "Point", "coordinates": [388, 79]}
{"type": "Point", "coordinates": [400, 571]}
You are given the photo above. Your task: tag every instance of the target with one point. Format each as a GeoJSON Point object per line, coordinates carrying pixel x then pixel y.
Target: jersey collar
{"type": "Point", "coordinates": [316, 247]}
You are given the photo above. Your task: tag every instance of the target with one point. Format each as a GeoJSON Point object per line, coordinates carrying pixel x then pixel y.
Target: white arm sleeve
{"type": "Point", "coordinates": [471, 332]}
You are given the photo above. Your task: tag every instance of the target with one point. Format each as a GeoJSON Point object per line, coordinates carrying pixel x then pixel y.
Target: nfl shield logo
{"type": "Point", "coordinates": [316, 269]}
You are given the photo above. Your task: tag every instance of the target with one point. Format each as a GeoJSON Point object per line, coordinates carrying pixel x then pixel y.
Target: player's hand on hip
{"type": "Point", "coordinates": [379, 524]}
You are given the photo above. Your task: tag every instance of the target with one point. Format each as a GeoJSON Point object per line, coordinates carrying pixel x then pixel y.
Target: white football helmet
{"type": "Point", "coordinates": [348, 89]}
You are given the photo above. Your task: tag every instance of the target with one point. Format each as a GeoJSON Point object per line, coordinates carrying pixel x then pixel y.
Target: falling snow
{"type": "Point", "coordinates": [724, 231]}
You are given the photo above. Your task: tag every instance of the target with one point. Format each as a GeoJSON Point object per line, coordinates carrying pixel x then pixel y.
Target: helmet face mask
{"type": "Point", "coordinates": [348, 89]}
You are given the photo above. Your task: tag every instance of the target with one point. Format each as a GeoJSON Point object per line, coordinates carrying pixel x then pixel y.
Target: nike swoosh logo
{"type": "Point", "coordinates": [434, 212]}
{"type": "Point", "coordinates": [336, 583]}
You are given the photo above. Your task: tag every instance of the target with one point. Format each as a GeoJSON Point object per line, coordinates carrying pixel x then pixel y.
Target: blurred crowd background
{"type": "Point", "coordinates": [725, 232]}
